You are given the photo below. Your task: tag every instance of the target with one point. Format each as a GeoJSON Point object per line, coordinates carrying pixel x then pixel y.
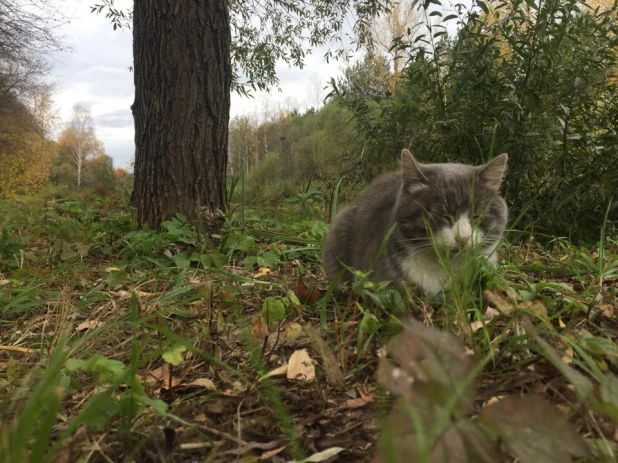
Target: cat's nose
{"type": "Point", "coordinates": [462, 240]}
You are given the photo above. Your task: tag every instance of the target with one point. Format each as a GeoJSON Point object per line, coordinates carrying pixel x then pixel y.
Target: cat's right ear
{"type": "Point", "coordinates": [412, 174]}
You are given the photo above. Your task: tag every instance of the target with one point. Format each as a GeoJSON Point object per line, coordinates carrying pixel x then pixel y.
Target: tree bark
{"type": "Point", "coordinates": [182, 75]}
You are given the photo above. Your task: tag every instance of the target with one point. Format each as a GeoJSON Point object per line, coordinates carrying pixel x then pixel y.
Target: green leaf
{"type": "Point", "coordinates": [173, 354]}
{"type": "Point", "coordinates": [483, 6]}
{"type": "Point", "coordinates": [181, 261]}
{"type": "Point", "coordinates": [273, 309]}
{"type": "Point", "coordinates": [269, 259]}
{"type": "Point", "coordinates": [370, 323]}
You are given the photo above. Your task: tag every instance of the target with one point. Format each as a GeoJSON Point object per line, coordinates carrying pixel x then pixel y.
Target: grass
{"type": "Point", "coordinates": [119, 344]}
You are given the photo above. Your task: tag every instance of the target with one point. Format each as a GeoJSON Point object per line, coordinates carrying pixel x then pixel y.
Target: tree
{"type": "Point", "coordinates": [185, 64]}
{"type": "Point", "coordinates": [78, 141]}
{"type": "Point", "coordinates": [100, 175]}
{"type": "Point", "coordinates": [315, 91]}
{"type": "Point", "coordinates": [27, 37]}
{"type": "Point", "coordinates": [390, 30]}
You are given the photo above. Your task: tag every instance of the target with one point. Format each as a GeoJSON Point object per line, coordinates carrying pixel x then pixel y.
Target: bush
{"type": "Point", "coordinates": [534, 79]}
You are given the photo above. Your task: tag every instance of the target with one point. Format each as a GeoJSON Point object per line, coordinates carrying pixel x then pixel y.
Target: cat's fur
{"type": "Point", "coordinates": [460, 204]}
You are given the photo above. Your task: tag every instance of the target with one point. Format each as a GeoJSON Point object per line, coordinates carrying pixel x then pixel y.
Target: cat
{"type": "Point", "coordinates": [458, 206]}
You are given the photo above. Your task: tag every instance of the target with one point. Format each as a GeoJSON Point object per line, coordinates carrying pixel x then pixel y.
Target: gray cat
{"type": "Point", "coordinates": [458, 205]}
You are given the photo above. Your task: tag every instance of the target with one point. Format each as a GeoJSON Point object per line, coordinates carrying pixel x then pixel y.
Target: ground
{"type": "Point", "coordinates": [188, 345]}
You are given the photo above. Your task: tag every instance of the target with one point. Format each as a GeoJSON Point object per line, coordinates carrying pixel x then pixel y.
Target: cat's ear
{"type": "Point", "coordinates": [491, 174]}
{"type": "Point", "coordinates": [412, 173]}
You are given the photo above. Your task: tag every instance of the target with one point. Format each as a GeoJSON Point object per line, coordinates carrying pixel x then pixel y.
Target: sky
{"type": "Point", "coordinates": [95, 72]}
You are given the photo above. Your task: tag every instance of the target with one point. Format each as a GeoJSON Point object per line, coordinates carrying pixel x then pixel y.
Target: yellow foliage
{"type": "Point", "coordinates": [25, 153]}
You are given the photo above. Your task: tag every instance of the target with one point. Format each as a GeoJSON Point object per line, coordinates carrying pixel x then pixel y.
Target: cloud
{"type": "Point", "coordinates": [115, 119]}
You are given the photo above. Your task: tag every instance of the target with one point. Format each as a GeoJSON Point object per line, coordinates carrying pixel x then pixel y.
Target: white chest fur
{"type": "Point", "coordinates": [430, 275]}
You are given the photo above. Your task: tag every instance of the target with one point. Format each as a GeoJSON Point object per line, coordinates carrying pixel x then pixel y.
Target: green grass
{"type": "Point", "coordinates": [119, 344]}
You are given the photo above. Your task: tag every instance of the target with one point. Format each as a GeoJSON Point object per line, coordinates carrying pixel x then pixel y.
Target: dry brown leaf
{"type": "Point", "coordinates": [90, 325]}
{"type": "Point", "coordinates": [160, 378]}
{"type": "Point", "coordinates": [202, 382]}
{"type": "Point", "coordinates": [301, 366]}
{"type": "Point", "coordinates": [498, 300]}
{"type": "Point", "coordinates": [358, 402]}
{"type": "Point", "coordinates": [490, 314]}
{"type": "Point", "coordinates": [271, 453]}
{"type": "Point", "coordinates": [568, 357]}
{"type": "Point", "coordinates": [304, 294]}
{"type": "Point", "coordinates": [475, 326]}
{"type": "Point", "coordinates": [65, 453]}
{"type": "Point", "coordinates": [607, 310]}
{"type": "Point", "coordinates": [333, 372]}
{"type": "Point", "coordinates": [282, 370]}
{"type": "Point", "coordinates": [536, 307]}
{"type": "Point", "coordinates": [259, 329]}
{"type": "Point", "coordinates": [362, 392]}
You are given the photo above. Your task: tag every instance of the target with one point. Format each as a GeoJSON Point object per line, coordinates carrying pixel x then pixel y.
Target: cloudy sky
{"type": "Point", "coordinates": [95, 72]}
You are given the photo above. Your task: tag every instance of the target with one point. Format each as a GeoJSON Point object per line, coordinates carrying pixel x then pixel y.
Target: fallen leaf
{"type": "Point", "coordinates": [304, 294]}
{"type": "Point", "coordinates": [333, 372]}
{"type": "Point", "coordinates": [500, 302]}
{"type": "Point", "coordinates": [261, 272]}
{"type": "Point", "coordinates": [259, 330]}
{"type": "Point", "coordinates": [320, 456]}
{"type": "Point", "coordinates": [475, 326]}
{"type": "Point", "coordinates": [362, 392]}
{"type": "Point", "coordinates": [607, 310]}
{"type": "Point", "coordinates": [89, 325]}
{"type": "Point", "coordinates": [300, 366]}
{"type": "Point", "coordinates": [65, 453]}
{"type": "Point", "coordinates": [282, 370]}
{"type": "Point", "coordinates": [160, 378]}
{"type": "Point", "coordinates": [271, 453]}
{"type": "Point", "coordinates": [292, 331]}
{"type": "Point", "coordinates": [202, 382]}
{"type": "Point", "coordinates": [568, 358]}
{"type": "Point", "coordinates": [358, 403]}
{"type": "Point", "coordinates": [536, 307]}
{"type": "Point", "coordinates": [490, 314]}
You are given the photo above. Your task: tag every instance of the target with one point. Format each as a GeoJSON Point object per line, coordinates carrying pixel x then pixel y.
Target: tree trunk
{"type": "Point", "coordinates": [80, 157]}
{"type": "Point", "coordinates": [182, 73]}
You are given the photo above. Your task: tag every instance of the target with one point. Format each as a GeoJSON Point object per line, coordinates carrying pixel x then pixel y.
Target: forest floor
{"type": "Point", "coordinates": [178, 345]}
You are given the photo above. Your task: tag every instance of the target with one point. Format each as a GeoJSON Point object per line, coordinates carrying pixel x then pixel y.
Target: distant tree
{"type": "Point", "coordinates": [315, 91]}
{"type": "Point", "coordinates": [25, 150]}
{"type": "Point", "coordinates": [28, 35]}
{"type": "Point", "coordinates": [79, 141]}
{"type": "Point", "coordinates": [100, 174]}
{"type": "Point", "coordinates": [396, 26]}
{"type": "Point", "coordinates": [367, 78]}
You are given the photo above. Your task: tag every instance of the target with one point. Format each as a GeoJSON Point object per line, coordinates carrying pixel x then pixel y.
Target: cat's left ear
{"type": "Point", "coordinates": [492, 173]}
